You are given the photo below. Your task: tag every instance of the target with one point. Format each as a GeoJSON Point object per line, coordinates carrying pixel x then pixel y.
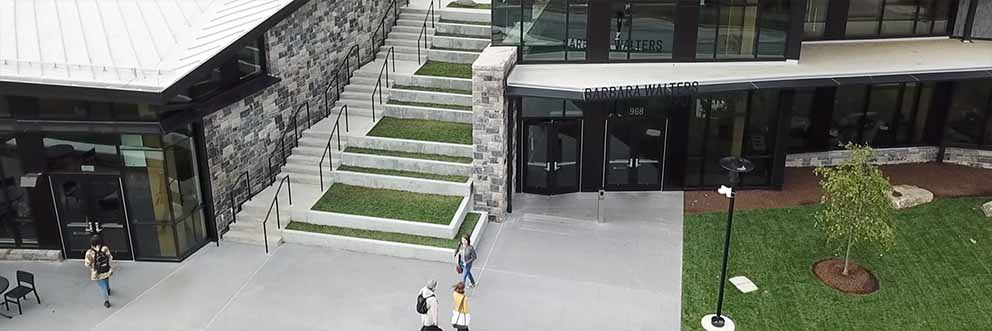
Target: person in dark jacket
{"type": "Point", "coordinates": [465, 254]}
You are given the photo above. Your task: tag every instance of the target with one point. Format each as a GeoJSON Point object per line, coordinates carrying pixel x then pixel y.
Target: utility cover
{"type": "Point", "coordinates": [743, 284]}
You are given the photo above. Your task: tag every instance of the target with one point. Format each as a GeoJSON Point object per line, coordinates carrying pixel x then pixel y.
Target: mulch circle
{"type": "Point", "coordinates": [858, 280]}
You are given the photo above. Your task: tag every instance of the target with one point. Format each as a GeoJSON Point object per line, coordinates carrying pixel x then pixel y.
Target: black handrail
{"type": "Point", "coordinates": [327, 148]}
{"type": "Point", "coordinates": [275, 202]}
{"type": "Point", "coordinates": [296, 115]}
{"type": "Point", "coordinates": [236, 206]}
{"type": "Point", "coordinates": [378, 81]}
{"type": "Point", "coordinates": [423, 30]}
{"type": "Point", "coordinates": [338, 87]}
{"type": "Point", "coordinates": [373, 45]}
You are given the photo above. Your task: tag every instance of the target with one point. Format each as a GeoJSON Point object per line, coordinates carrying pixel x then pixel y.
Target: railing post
{"type": "Point", "coordinates": [265, 235]}
{"type": "Point", "coordinates": [345, 118]}
{"type": "Point", "coordinates": [307, 104]}
{"type": "Point", "coordinates": [289, 186]}
{"type": "Point", "coordinates": [278, 222]}
{"type": "Point", "coordinates": [248, 183]}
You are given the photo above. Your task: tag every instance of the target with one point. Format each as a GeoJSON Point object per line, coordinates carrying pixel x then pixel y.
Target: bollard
{"type": "Point", "coordinates": [599, 206]}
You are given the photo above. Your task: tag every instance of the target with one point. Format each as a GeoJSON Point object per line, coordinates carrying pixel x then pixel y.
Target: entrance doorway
{"type": "Point", "coordinates": [88, 204]}
{"type": "Point", "coordinates": [635, 154]}
{"type": "Point", "coordinates": [552, 156]}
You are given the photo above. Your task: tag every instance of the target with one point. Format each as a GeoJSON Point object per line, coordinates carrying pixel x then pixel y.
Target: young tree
{"type": "Point", "coordinates": [856, 207]}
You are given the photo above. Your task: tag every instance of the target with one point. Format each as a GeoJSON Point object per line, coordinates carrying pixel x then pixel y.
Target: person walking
{"type": "Point", "coordinates": [460, 317]}
{"type": "Point", "coordinates": [465, 254]}
{"type": "Point", "coordinates": [98, 259]}
{"type": "Point", "coordinates": [427, 307]}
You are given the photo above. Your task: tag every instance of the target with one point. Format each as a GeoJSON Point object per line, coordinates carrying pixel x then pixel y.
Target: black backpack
{"type": "Point", "coordinates": [422, 307]}
{"type": "Point", "coordinates": [101, 261]}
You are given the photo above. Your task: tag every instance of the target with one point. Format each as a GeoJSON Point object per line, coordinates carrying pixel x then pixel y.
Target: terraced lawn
{"type": "Point", "coordinates": [423, 130]}
{"type": "Point", "coordinates": [937, 277]}
{"type": "Point", "coordinates": [430, 105]}
{"type": "Point", "coordinates": [432, 89]}
{"type": "Point", "coordinates": [394, 204]}
{"type": "Point", "coordinates": [476, 6]}
{"type": "Point", "coordinates": [468, 225]}
{"type": "Point", "coordinates": [445, 69]}
{"type": "Point", "coordinates": [401, 173]}
{"type": "Point", "coordinates": [409, 155]}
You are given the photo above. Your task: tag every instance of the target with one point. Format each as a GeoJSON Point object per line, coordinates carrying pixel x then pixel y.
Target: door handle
{"type": "Point", "coordinates": [630, 163]}
{"type": "Point", "coordinates": [637, 163]}
{"type": "Point", "coordinates": [547, 166]}
{"type": "Point", "coordinates": [557, 166]}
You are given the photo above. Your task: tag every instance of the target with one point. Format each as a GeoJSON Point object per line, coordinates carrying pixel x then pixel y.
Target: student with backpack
{"type": "Point", "coordinates": [98, 259]}
{"type": "Point", "coordinates": [427, 307]}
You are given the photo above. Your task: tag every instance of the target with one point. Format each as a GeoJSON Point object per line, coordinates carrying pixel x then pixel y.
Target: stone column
{"type": "Point", "coordinates": [490, 108]}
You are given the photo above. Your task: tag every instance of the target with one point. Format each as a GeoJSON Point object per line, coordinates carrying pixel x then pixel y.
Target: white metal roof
{"type": "Point", "coordinates": [139, 45]}
{"type": "Point", "coordinates": [818, 60]}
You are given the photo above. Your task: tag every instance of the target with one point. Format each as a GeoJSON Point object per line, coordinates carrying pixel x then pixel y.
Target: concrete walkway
{"type": "Point", "coordinates": [537, 271]}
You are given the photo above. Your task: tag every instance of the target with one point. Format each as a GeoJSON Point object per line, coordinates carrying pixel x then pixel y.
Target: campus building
{"type": "Point", "coordinates": [633, 95]}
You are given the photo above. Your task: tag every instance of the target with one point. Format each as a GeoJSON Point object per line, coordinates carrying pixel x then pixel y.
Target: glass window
{"type": "Point", "coordinates": [774, 28]}
{"type": "Point", "coordinates": [61, 109]}
{"type": "Point", "coordinates": [184, 190]}
{"type": "Point", "coordinates": [72, 152]}
{"type": "Point", "coordinates": [148, 196]}
{"type": "Point", "coordinates": [878, 123]}
{"type": "Point", "coordinates": [726, 115]}
{"type": "Point", "coordinates": [941, 15]}
{"type": "Point", "coordinates": [759, 136]}
{"type": "Point", "coordinates": [4, 106]}
{"type": "Point", "coordinates": [968, 112]}
{"type": "Point", "coordinates": [642, 30]}
{"type": "Point", "coordinates": [544, 30]}
{"type": "Point", "coordinates": [505, 25]}
{"type": "Point", "coordinates": [542, 107]}
{"type": "Point", "coordinates": [250, 60]}
{"type": "Point", "coordinates": [849, 106]}
{"type": "Point", "coordinates": [816, 19]}
{"type": "Point", "coordinates": [925, 16]}
{"type": "Point", "coordinates": [17, 225]}
{"type": "Point", "coordinates": [728, 30]}
{"type": "Point", "coordinates": [863, 18]}
{"type": "Point", "coordinates": [578, 11]}
{"type": "Point", "coordinates": [800, 123]}
{"type": "Point", "coordinates": [924, 102]}
{"type": "Point", "coordinates": [899, 17]}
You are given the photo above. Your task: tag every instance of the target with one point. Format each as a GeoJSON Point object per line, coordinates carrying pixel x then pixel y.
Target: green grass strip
{"type": "Point", "coordinates": [445, 69]}
{"type": "Point", "coordinates": [402, 173]}
{"type": "Point", "coordinates": [423, 130]}
{"type": "Point", "coordinates": [430, 105]}
{"type": "Point", "coordinates": [432, 89]}
{"type": "Point", "coordinates": [409, 155]}
{"type": "Point", "coordinates": [938, 272]}
{"type": "Point", "coordinates": [468, 225]}
{"type": "Point", "coordinates": [392, 204]}
{"type": "Point", "coordinates": [449, 21]}
{"type": "Point", "coordinates": [476, 6]}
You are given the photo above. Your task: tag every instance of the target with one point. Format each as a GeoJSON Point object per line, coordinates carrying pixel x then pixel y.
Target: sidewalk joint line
{"type": "Point", "coordinates": [240, 289]}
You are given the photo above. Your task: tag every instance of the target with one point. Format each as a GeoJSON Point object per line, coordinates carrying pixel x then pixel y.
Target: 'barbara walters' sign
{"type": "Point", "coordinates": [679, 89]}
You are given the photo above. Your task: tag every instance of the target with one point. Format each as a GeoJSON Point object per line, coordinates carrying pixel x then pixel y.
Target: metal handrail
{"type": "Point", "coordinates": [338, 87]}
{"type": "Point", "coordinates": [373, 45]}
{"type": "Point", "coordinates": [236, 207]}
{"type": "Point", "coordinates": [275, 202]}
{"type": "Point", "coordinates": [378, 81]}
{"type": "Point", "coordinates": [296, 115]}
{"type": "Point", "coordinates": [327, 148]}
{"type": "Point", "coordinates": [423, 30]}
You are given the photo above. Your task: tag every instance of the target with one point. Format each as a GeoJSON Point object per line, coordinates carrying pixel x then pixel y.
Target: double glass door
{"type": "Point", "coordinates": [88, 204]}
{"type": "Point", "coordinates": [635, 150]}
{"type": "Point", "coordinates": [552, 156]}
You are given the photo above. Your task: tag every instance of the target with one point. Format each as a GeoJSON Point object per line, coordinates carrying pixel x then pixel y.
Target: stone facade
{"type": "Point", "coordinates": [983, 19]}
{"type": "Point", "coordinates": [491, 148]}
{"type": "Point", "coordinates": [968, 157]}
{"type": "Point", "coordinates": [882, 156]}
{"type": "Point", "coordinates": [303, 50]}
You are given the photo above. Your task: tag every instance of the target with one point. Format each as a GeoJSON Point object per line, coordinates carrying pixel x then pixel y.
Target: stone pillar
{"type": "Point", "coordinates": [490, 108]}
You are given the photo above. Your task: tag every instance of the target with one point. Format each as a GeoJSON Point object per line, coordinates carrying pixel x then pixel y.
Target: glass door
{"type": "Point", "coordinates": [552, 156]}
{"type": "Point", "coordinates": [88, 204]}
{"type": "Point", "coordinates": [635, 151]}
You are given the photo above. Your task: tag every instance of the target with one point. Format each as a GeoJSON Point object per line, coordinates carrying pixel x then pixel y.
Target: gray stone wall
{"type": "Point", "coordinates": [968, 157]}
{"type": "Point", "coordinates": [983, 19]}
{"type": "Point", "coordinates": [303, 50]}
{"type": "Point", "coordinates": [491, 148]}
{"type": "Point", "coordinates": [882, 156]}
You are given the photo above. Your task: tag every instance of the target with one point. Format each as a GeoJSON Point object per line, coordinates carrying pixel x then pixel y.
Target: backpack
{"type": "Point", "coordinates": [422, 307]}
{"type": "Point", "coordinates": [101, 261]}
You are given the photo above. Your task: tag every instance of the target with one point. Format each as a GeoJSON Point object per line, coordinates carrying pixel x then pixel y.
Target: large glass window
{"type": "Point", "coordinates": [552, 30]}
{"type": "Point", "coordinates": [893, 18]}
{"type": "Point", "coordinates": [17, 224]}
{"type": "Point", "coordinates": [743, 29]}
{"type": "Point", "coordinates": [247, 64]}
{"type": "Point", "coordinates": [719, 123]}
{"type": "Point", "coordinates": [801, 122]}
{"type": "Point", "coordinates": [816, 19]}
{"type": "Point", "coordinates": [969, 113]}
{"type": "Point", "coordinates": [642, 30]}
{"type": "Point", "coordinates": [759, 136]}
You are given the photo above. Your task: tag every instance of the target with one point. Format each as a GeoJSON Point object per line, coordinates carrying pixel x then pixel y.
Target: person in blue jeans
{"type": "Point", "coordinates": [98, 259]}
{"type": "Point", "coordinates": [466, 255]}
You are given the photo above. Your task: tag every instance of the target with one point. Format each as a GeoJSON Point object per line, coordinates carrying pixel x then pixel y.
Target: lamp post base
{"type": "Point", "coordinates": [707, 323]}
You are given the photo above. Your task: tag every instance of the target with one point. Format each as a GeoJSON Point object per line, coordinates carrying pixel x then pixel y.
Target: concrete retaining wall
{"type": "Point", "coordinates": [447, 231]}
{"type": "Point", "coordinates": [430, 97]}
{"type": "Point", "coordinates": [436, 82]}
{"type": "Point", "coordinates": [399, 163]}
{"type": "Point", "coordinates": [402, 250]}
{"type": "Point", "coordinates": [481, 31]}
{"type": "Point", "coordinates": [467, 15]}
{"type": "Point", "coordinates": [433, 114]}
{"type": "Point", "coordinates": [452, 56]}
{"type": "Point", "coordinates": [882, 156]}
{"type": "Point", "coordinates": [401, 183]}
{"type": "Point", "coordinates": [460, 43]}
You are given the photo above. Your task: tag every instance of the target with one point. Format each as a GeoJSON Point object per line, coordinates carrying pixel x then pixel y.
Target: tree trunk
{"type": "Point", "coordinates": [847, 255]}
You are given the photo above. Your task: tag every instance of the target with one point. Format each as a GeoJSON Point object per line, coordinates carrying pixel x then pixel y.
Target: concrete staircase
{"type": "Point", "coordinates": [303, 166]}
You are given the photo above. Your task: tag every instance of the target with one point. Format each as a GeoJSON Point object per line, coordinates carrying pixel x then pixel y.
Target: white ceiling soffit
{"type": "Point", "coordinates": [135, 45]}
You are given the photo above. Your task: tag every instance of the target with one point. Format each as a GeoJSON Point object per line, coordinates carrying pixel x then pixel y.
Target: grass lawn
{"type": "Point", "coordinates": [401, 173]}
{"type": "Point", "coordinates": [432, 89]}
{"type": "Point", "coordinates": [400, 205]}
{"type": "Point", "coordinates": [935, 278]}
{"type": "Point", "coordinates": [467, 226]}
{"type": "Point", "coordinates": [445, 69]}
{"type": "Point", "coordinates": [409, 155]}
{"type": "Point", "coordinates": [430, 105]}
{"type": "Point", "coordinates": [476, 6]}
{"type": "Point", "coordinates": [423, 130]}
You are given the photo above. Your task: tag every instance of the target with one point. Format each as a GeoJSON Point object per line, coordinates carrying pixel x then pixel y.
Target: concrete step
{"type": "Point", "coordinates": [412, 10]}
{"type": "Point", "coordinates": [401, 183]}
{"type": "Point", "coordinates": [471, 44]}
{"type": "Point", "coordinates": [413, 146]}
{"type": "Point", "coordinates": [430, 97]}
{"type": "Point", "coordinates": [404, 56]}
{"type": "Point", "coordinates": [404, 35]}
{"type": "Point", "coordinates": [406, 164]}
{"type": "Point", "coordinates": [467, 57]}
{"type": "Point", "coordinates": [409, 15]}
{"type": "Point", "coordinates": [407, 42]}
{"type": "Point", "coordinates": [433, 81]}
{"type": "Point", "coordinates": [411, 22]}
{"type": "Point", "coordinates": [429, 113]}
{"type": "Point", "coordinates": [478, 31]}
{"type": "Point", "coordinates": [418, 29]}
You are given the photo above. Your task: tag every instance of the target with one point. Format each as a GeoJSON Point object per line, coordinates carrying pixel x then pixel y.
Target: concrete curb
{"type": "Point", "coordinates": [430, 97]}
{"type": "Point", "coordinates": [413, 146]}
{"type": "Point", "coordinates": [466, 14]}
{"type": "Point", "coordinates": [480, 31]}
{"type": "Point", "coordinates": [427, 113]}
{"type": "Point", "coordinates": [452, 56]}
{"type": "Point", "coordinates": [12, 254]}
{"type": "Point", "coordinates": [379, 247]}
{"type": "Point", "coordinates": [408, 164]}
{"type": "Point", "coordinates": [418, 185]}
{"type": "Point", "coordinates": [392, 225]}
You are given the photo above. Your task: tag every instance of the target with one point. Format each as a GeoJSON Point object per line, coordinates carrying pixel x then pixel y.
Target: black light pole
{"type": "Point", "coordinates": [735, 166]}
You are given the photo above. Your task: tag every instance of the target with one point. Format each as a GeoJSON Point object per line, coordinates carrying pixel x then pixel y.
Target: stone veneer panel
{"type": "Point", "coordinates": [490, 109]}
{"type": "Point", "coordinates": [303, 51]}
{"type": "Point", "coordinates": [882, 156]}
{"type": "Point", "coordinates": [968, 157]}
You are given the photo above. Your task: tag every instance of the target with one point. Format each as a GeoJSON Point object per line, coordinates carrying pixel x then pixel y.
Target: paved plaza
{"type": "Point", "coordinates": [549, 267]}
